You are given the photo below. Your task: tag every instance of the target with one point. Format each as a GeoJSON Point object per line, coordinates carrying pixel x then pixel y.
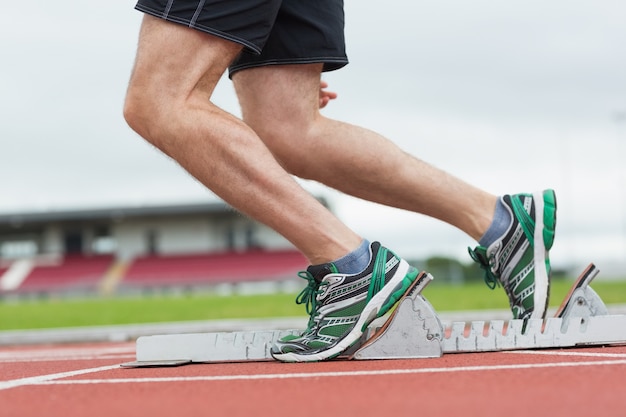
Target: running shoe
{"type": "Point", "coordinates": [519, 260]}
{"type": "Point", "coordinates": [341, 306]}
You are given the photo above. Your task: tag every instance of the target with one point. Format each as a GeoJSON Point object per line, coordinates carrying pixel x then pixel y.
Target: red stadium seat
{"type": "Point", "coordinates": [228, 267]}
{"type": "Point", "coordinates": [74, 272]}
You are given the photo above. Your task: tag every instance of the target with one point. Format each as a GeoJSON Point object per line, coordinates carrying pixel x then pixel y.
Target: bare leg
{"type": "Point", "coordinates": [168, 103]}
{"type": "Point", "coordinates": [281, 104]}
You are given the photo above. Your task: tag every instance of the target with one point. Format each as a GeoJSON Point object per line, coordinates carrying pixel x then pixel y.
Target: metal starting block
{"type": "Point", "coordinates": [412, 330]}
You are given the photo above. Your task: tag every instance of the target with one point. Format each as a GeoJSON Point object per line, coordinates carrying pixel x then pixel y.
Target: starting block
{"type": "Point", "coordinates": [412, 330]}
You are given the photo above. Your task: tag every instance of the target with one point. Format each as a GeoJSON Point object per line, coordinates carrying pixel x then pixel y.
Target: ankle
{"type": "Point", "coordinates": [355, 261]}
{"type": "Point", "coordinates": [500, 223]}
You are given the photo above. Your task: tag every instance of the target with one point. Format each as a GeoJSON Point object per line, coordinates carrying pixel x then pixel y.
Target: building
{"type": "Point", "coordinates": [125, 248]}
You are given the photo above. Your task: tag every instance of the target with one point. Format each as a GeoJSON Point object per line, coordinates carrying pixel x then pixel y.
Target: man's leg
{"type": "Point", "coordinates": [281, 103]}
{"type": "Point", "coordinates": [168, 103]}
{"type": "Point", "coordinates": [514, 232]}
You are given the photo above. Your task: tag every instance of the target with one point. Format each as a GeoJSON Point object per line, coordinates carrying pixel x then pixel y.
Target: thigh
{"type": "Point", "coordinates": [174, 60]}
{"type": "Point", "coordinates": [281, 104]}
{"type": "Point", "coordinates": [279, 97]}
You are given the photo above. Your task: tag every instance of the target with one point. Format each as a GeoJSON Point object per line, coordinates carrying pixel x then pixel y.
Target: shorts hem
{"type": "Point", "coordinates": [156, 13]}
{"type": "Point", "coordinates": [330, 63]}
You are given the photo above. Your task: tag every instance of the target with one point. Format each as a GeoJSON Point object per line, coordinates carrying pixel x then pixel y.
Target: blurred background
{"type": "Point", "coordinates": [512, 97]}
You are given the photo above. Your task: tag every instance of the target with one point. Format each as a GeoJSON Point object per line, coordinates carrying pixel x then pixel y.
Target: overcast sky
{"type": "Point", "coordinates": [511, 96]}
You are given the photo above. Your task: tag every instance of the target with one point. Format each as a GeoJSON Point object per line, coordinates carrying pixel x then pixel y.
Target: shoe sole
{"type": "Point", "coordinates": [378, 306]}
{"type": "Point", "coordinates": [545, 203]}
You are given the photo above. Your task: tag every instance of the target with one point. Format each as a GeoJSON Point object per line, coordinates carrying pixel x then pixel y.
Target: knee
{"type": "Point", "coordinates": [150, 117]}
{"type": "Point", "coordinates": [136, 111]}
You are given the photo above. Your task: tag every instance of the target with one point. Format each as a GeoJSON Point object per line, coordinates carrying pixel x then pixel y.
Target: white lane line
{"type": "Point", "coordinates": [569, 353]}
{"type": "Point", "coordinates": [36, 380]}
{"type": "Point", "coordinates": [485, 368]}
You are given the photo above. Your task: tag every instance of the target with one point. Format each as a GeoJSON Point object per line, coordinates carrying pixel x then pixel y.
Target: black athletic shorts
{"type": "Point", "coordinates": [273, 32]}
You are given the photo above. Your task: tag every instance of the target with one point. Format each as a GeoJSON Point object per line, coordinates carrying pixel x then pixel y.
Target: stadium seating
{"type": "Point", "coordinates": [72, 273]}
{"type": "Point", "coordinates": [3, 269]}
{"type": "Point", "coordinates": [85, 274]}
{"type": "Point", "coordinates": [227, 267]}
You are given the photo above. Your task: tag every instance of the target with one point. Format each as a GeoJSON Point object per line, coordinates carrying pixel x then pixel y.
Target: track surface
{"type": "Point", "coordinates": [86, 380]}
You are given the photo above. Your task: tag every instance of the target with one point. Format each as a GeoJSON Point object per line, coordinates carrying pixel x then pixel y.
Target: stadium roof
{"type": "Point", "coordinates": [111, 213]}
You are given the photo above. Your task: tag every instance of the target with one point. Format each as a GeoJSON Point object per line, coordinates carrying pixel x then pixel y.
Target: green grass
{"type": "Point", "coordinates": [52, 313]}
{"type": "Point", "coordinates": [33, 314]}
{"type": "Point", "coordinates": [477, 296]}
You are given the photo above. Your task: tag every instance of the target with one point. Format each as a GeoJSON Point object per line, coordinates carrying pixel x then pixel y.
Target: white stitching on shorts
{"type": "Point", "coordinates": [197, 13]}
{"type": "Point", "coordinates": [167, 9]}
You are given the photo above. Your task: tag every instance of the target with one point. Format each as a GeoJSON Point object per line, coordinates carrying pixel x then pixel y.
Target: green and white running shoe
{"type": "Point", "coordinates": [519, 260]}
{"type": "Point", "coordinates": [341, 306]}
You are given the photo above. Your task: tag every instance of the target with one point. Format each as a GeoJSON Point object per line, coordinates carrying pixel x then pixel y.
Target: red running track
{"type": "Point", "coordinates": [86, 381]}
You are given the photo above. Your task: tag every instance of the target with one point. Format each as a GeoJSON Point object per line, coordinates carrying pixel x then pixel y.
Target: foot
{"type": "Point", "coordinates": [519, 260]}
{"type": "Point", "coordinates": [341, 306]}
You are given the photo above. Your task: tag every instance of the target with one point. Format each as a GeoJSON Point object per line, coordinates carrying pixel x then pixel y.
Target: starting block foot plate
{"type": "Point", "coordinates": [412, 331]}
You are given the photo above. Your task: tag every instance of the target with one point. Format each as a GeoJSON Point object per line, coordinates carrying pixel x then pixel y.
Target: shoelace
{"type": "Point", "coordinates": [490, 278]}
{"type": "Point", "coordinates": [308, 296]}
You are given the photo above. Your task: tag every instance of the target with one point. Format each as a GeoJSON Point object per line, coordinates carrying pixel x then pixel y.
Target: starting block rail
{"type": "Point", "coordinates": [413, 330]}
